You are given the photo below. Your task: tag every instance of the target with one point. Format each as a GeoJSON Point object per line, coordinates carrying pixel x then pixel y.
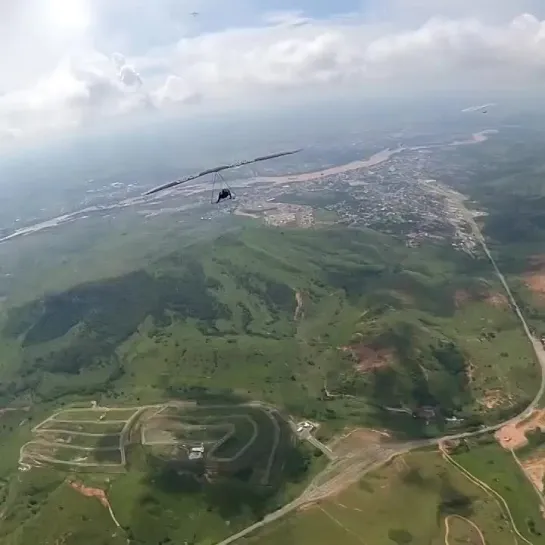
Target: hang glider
{"type": "Point", "coordinates": [217, 170]}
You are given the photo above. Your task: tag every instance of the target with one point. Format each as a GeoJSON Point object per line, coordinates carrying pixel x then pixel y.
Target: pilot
{"type": "Point", "coordinates": [224, 194]}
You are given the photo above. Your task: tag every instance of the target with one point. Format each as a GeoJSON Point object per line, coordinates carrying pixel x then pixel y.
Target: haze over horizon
{"type": "Point", "coordinates": [94, 63]}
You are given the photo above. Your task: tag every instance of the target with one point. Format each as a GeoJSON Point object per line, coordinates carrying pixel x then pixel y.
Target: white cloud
{"type": "Point", "coordinates": [406, 44]}
{"type": "Point", "coordinates": [175, 91]}
{"type": "Point", "coordinates": [487, 11]}
{"type": "Point", "coordinates": [77, 91]}
{"type": "Point", "coordinates": [126, 72]}
{"type": "Point", "coordinates": [240, 61]}
{"type": "Point", "coordinates": [286, 18]}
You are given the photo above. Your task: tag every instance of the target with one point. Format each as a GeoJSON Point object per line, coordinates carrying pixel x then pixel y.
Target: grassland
{"type": "Point", "coordinates": [497, 468]}
{"type": "Point", "coordinates": [505, 179]}
{"type": "Point", "coordinates": [381, 325]}
{"type": "Point", "coordinates": [404, 502]}
{"type": "Point", "coordinates": [42, 508]}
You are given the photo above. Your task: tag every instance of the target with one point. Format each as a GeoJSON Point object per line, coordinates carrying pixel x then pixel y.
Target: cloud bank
{"type": "Point", "coordinates": [69, 67]}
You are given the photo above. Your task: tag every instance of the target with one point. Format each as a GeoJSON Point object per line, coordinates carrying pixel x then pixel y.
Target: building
{"type": "Point", "coordinates": [196, 453]}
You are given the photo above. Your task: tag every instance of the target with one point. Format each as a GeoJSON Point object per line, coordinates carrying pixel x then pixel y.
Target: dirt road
{"type": "Point", "coordinates": [468, 522]}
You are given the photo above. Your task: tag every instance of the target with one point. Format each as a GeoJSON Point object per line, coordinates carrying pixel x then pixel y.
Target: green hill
{"type": "Point", "coordinates": [275, 315]}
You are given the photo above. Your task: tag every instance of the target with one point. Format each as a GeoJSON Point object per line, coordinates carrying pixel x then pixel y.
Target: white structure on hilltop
{"type": "Point", "coordinates": [306, 425]}
{"type": "Point", "coordinates": [196, 453]}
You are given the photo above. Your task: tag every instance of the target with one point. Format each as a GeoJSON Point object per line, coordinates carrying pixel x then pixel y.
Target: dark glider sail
{"type": "Point", "coordinates": [218, 169]}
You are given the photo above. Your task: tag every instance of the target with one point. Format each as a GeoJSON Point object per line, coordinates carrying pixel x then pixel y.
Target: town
{"type": "Point", "coordinates": [394, 196]}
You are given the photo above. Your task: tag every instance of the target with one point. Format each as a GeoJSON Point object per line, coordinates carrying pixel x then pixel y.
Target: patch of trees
{"type": "Point", "coordinates": [430, 295]}
{"type": "Point", "coordinates": [401, 537]}
{"type": "Point", "coordinates": [452, 501]}
{"type": "Point", "coordinates": [203, 395]}
{"type": "Point", "coordinates": [532, 527]}
{"type": "Point", "coordinates": [21, 319]}
{"type": "Point", "coordinates": [98, 317]}
{"type": "Point", "coordinates": [246, 317]}
{"type": "Point", "coordinates": [277, 297]}
{"type": "Point", "coordinates": [230, 497]}
{"type": "Point", "coordinates": [507, 413]}
{"type": "Point", "coordinates": [235, 492]}
{"type": "Point", "coordinates": [175, 476]}
{"type": "Point", "coordinates": [111, 310]}
{"type": "Point", "coordinates": [519, 218]}
{"type": "Point", "coordinates": [450, 357]}
{"type": "Point", "coordinates": [535, 438]}
{"type": "Point", "coordinates": [354, 279]}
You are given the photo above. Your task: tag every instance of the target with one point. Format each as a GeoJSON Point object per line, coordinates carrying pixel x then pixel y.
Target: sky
{"type": "Point", "coordinates": [67, 64]}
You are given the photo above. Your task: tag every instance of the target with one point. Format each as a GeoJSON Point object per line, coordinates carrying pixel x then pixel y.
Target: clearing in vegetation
{"type": "Point", "coordinates": [534, 467]}
{"type": "Point", "coordinates": [526, 441]}
{"type": "Point", "coordinates": [513, 436]}
{"type": "Point", "coordinates": [534, 278]}
{"type": "Point", "coordinates": [79, 438]}
{"type": "Point", "coordinates": [368, 359]}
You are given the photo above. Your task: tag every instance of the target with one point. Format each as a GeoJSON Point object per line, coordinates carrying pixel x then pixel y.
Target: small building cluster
{"type": "Point", "coordinates": [305, 426]}
{"type": "Point", "coordinates": [196, 453]}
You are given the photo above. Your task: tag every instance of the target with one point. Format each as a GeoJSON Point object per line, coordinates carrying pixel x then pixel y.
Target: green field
{"type": "Point", "coordinates": [42, 508]}
{"type": "Point", "coordinates": [404, 502]}
{"type": "Point", "coordinates": [497, 467]}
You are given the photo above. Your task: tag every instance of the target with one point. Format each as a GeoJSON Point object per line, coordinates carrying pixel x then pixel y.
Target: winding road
{"type": "Point", "coordinates": [359, 467]}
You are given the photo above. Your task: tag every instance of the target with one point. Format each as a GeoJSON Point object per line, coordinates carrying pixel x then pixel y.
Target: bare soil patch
{"type": "Point", "coordinates": [299, 309]}
{"type": "Point", "coordinates": [498, 300]}
{"type": "Point", "coordinates": [534, 468]}
{"type": "Point", "coordinates": [355, 439]}
{"type": "Point", "coordinates": [91, 492]}
{"type": "Point", "coordinates": [11, 409]}
{"type": "Point", "coordinates": [470, 372]}
{"type": "Point", "coordinates": [492, 399]}
{"type": "Point", "coordinates": [307, 506]}
{"type": "Point", "coordinates": [513, 436]}
{"type": "Point", "coordinates": [368, 358]}
{"type": "Point", "coordinates": [536, 283]}
{"type": "Point", "coordinates": [535, 278]}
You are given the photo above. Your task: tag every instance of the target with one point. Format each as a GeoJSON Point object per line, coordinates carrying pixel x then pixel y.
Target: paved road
{"type": "Point", "coordinates": [314, 493]}
{"type": "Point", "coordinates": [319, 445]}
